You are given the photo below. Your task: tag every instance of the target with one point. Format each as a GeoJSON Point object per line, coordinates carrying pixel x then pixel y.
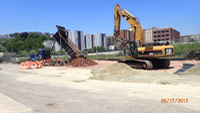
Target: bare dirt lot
{"type": "Point", "coordinates": [67, 89]}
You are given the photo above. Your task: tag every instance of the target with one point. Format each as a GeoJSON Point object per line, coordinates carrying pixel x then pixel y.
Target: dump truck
{"type": "Point", "coordinates": [66, 44]}
{"type": "Point", "coordinates": [44, 55]}
{"type": "Point", "coordinates": [78, 58]}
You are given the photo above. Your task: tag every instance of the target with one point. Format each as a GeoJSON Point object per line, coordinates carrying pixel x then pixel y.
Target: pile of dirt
{"type": "Point", "coordinates": [193, 55]}
{"type": "Point", "coordinates": [82, 62]}
{"type": "Point", "coordinates": [114, 72]}
{"type": "Point", "coordinates": [195, 70]}
{"type": "Point", "coordinates": [121, 72]}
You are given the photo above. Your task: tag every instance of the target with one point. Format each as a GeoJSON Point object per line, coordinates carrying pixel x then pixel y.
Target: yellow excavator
{"type": "Point", "coordinates": [140, 55]}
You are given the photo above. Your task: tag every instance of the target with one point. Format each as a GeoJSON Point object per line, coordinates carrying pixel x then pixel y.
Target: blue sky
{"type": "Point", "coordinates": [96, 16]}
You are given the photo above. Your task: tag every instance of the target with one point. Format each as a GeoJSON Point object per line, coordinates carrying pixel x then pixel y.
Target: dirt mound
{"type": "Point", "coordinates": [195, 70]}
{"type": "Point", "coordinates": [82, 62]}
{"type": "Point", "coordinates": [193, 55]}
{"type": "Point", "coordinates": [115, 72]}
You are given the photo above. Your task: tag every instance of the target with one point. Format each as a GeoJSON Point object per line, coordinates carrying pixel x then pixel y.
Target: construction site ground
{"type": "Point", "coordinates": [80, 90]}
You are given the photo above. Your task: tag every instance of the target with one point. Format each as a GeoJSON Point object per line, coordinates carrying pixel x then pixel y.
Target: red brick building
{"type": "Point", "coordinates": [166, 35]}
{"type": "Point", "coordinates": [127, 34]}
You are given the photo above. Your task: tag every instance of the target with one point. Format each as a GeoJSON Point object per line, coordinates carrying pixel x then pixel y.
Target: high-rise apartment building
{"type": "Point", "coordinates": [95, 40]}
{"type": "Point", "coordinates": [148, 37]}
{"type": "Point", "coordinates": [89, 41]}
{"type": "Point", "coordinates": [77, 38]}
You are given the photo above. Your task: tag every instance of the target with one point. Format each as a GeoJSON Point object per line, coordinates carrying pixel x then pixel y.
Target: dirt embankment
{"type": "Point", "coordinates": [195, 70]}
{"type": "Point", "coordinates": [124, 73]}
{"type": "Point", "coordinates": [116, 72]}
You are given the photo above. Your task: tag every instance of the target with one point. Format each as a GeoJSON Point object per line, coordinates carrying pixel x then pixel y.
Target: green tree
{"type": "Point", "coordinates": [24, 43]}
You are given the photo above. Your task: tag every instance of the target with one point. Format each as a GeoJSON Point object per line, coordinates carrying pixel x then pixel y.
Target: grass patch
{"type": "Point", "coordinates": [62, 57]}
{"type": "Point", "coordinates": [105, 56]}
{"type": "Point", "coordinates": [181, 50]}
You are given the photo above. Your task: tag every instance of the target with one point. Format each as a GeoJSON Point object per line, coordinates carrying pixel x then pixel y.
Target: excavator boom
{"type": "Point", "coordinates": [132, 21]}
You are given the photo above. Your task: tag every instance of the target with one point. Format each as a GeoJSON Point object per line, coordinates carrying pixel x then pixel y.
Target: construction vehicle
{"type": "Point", "coordinates": [78, 58]}
{"type": "Point", "coordinates": [140, 55]}
{"type": "Point", "coordinates": [37, 61]}
{"type": "Point", "coordinates": [44, 55]}
{"type": "Point", "coordinates": [66, 44]}
{"type": "Point", "coordinates": [42, 58]}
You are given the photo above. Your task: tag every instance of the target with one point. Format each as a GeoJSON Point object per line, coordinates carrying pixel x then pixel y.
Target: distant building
{"type": "Point", "coordinates": [100, 40]}
{"type": "Point", "coordinates": [77, 38]}
{"type": "Point", "coordinates": [95, 40]}
{"type": "Point", "coordinates": [109, 41]}
{"type": "Point", "coordinates": [74, 35]}
{"type": "Point", "coordinates": [162, 35]}
{"type": "Point", "coordinates": [127, 34]}
{"type": "Point", "coordinates": [89, 41]}
{"type": "Point", "coordinates": [190, 38]}
{"type": "Point", "coordinates": [5, 36]}
{"type": "Point", "coordinates": [148, 36]}
{"type": "Point", "coordinates": [166, 35]}
{"type": "Point", "coordinates": [49, 44]}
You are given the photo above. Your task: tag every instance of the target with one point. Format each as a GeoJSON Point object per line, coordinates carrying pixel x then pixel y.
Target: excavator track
{"type": "Point", "coordinates": [160, 63]}
{"type": "Point", "coordinates": [146, 63]}
{"type": "Point", "coordinates": [138, 63]}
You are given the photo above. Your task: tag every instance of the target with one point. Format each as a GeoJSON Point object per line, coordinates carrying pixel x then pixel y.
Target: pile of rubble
{"type": "Point", "coordinates": [82, 62]}
{"type": "Point", "coordinates": [193, 55]}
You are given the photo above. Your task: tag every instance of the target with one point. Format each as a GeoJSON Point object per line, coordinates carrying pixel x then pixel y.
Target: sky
{"type": "Point", "coordinates": [97, 16]}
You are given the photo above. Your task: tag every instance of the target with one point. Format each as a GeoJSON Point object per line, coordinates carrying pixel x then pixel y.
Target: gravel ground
{"type": "Point", "coordinates": [68, 90]}
{"type": "Point", "coordinates": [46, 99]}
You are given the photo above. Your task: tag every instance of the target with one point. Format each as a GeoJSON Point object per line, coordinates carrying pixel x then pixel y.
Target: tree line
{"type": "Point", "coordinates": [23, 43]}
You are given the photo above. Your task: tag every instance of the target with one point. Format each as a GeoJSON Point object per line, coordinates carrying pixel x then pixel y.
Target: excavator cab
{"type": "Point", "coordinates": [132, 48]}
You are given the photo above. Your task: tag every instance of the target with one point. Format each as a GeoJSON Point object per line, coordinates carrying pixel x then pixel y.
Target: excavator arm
{"type": "Point", "coordinates": [132, 21]}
